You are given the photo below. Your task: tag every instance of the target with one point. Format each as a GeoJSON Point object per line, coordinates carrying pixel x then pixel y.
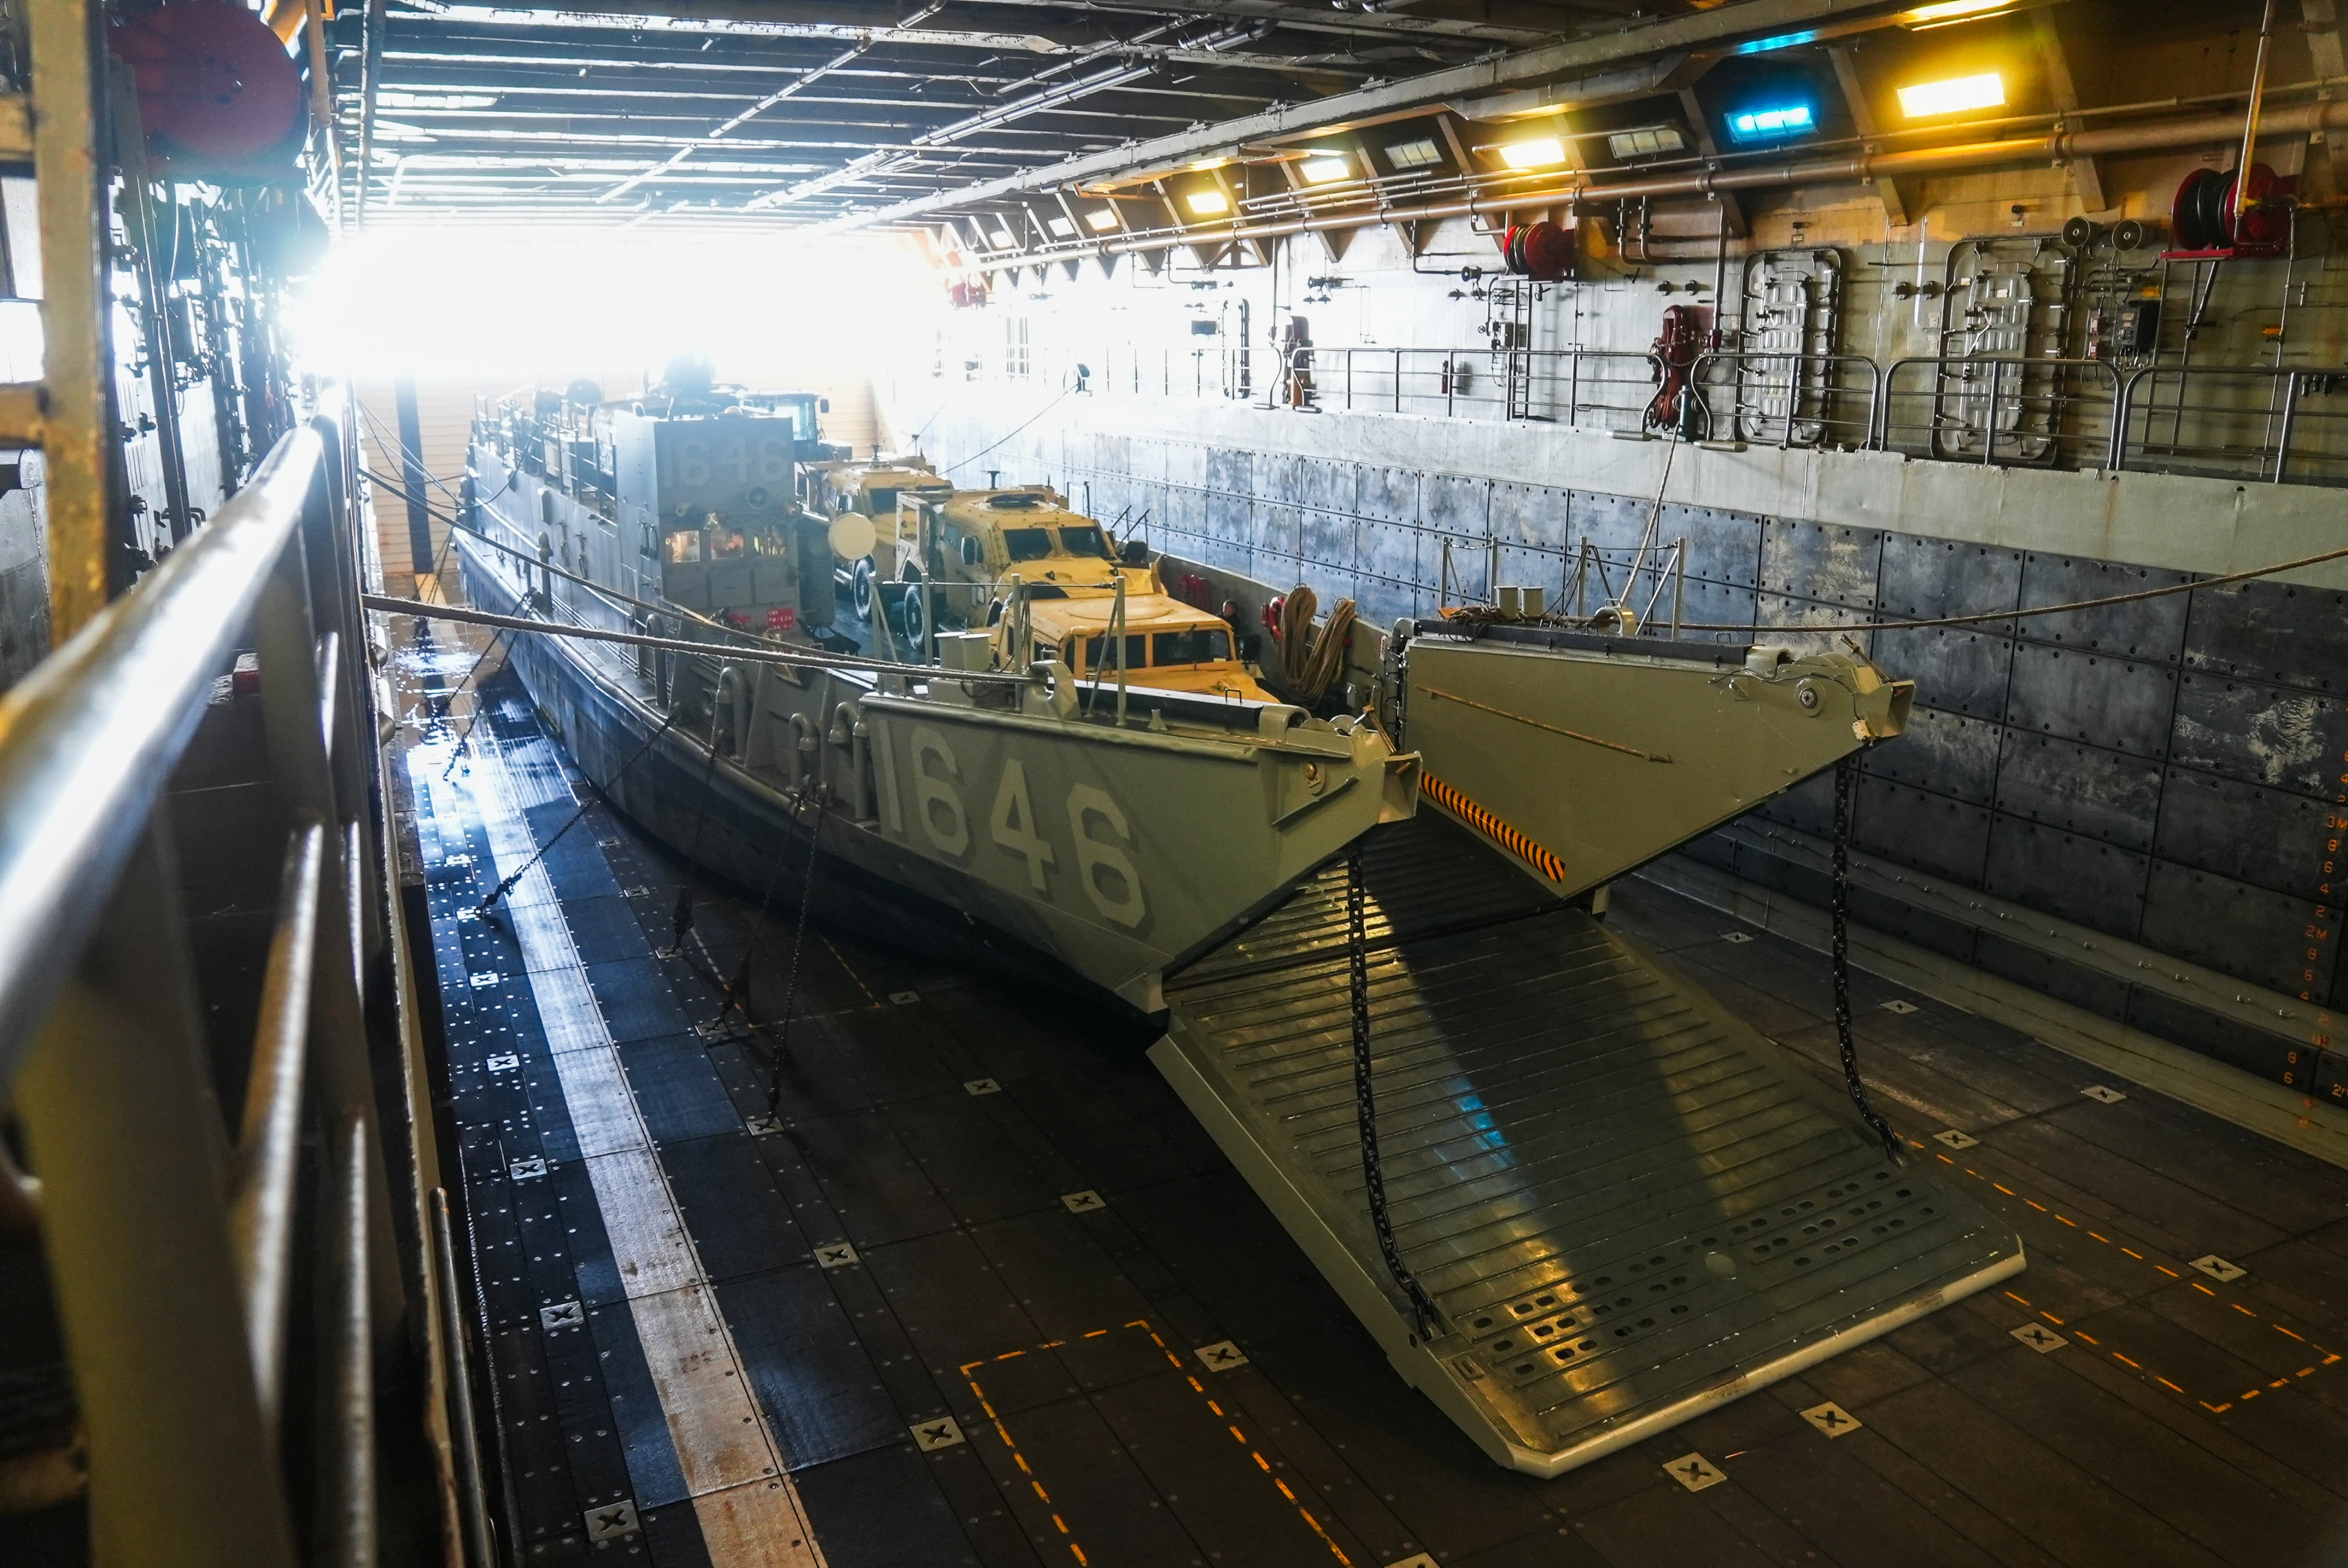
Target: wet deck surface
{"type": "Point", "coordinates": [1040, 1242]}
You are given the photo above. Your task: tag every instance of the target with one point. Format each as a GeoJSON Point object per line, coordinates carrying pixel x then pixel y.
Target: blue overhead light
{"type": "Point", "coordinates": [1775, 122]}
{"type": "Point", "coordinates": [1782, 41]}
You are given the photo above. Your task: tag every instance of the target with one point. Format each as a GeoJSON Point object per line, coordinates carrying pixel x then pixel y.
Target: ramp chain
{"type": "Point", "coordinates": [1357, 959]}
{"type": "Point", "coordinates": [1845, 779]}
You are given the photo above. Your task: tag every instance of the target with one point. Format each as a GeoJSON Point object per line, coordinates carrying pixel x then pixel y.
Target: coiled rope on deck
{"type": "Point", "coordinates": [1310, 665]}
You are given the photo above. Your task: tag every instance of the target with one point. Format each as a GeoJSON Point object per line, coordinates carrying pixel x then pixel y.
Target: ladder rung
{"type": "Point", "coordinates": [16, 129]}
{"type": "Point", "coordinates": [21, 417]}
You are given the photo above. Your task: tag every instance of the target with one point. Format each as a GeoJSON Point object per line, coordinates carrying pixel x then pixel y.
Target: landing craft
{"type": "Point", "coordinates": [1596, 1204]}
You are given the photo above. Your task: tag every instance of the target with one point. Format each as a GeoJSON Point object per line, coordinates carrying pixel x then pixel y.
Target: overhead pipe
{"type": "Point", "coordinates": [2058, 145]}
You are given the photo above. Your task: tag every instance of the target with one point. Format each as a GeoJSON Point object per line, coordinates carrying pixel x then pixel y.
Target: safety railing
{"type": "Point", "coordinates": [2262, 422]}
{"type": "Point", "coordinates": [206, 1155]}
{"type": "Point", "coordinates": [1788, 399]}
{"type": "Point", "coordinates": [2162, 420]}
{"type": "Point", "coordinates": [2007, 411]}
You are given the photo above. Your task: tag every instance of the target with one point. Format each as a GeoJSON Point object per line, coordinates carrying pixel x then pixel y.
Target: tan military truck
{"type": "Point", "coordinates": [953, 553]}
{"type": "Point", "coordinates": [1154, 641]}
{"type": "Point", "coordinates": [874, 490]}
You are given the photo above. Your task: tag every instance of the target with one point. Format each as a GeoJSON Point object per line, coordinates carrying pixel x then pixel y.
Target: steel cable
{"type": "Point", "coordinates": [791, 975]}
{"type": "Point", "coordinates": [506, 886]}
{"type": "Point", "coordinates": [1846, 778]}
{"type": "Point", "coordinates": [1366, 1108]}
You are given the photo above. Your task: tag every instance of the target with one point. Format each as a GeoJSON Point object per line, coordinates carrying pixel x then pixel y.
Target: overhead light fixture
{"type": "Point", "coordinates": [1101, 219]}
{"type": "Point", "coordinates": [1648, 141]}
{"type": "Point", "coordinates": [1942, 11]}
{"type": "Point", "coordinates": [1773, 122]}
{"type": "Point", "coordinates": [1420, 154]}
{"type": "Point", "coordinates": [1322, 169]}
{"type": "Point", "coordinates": [1958, 95]}
{"type": "Point", "coordinates": [1540, 152]}
{"type": "Point", "coordinates": [1061, 227]}
{"type": "Point", "coordinates": [1207, 204]}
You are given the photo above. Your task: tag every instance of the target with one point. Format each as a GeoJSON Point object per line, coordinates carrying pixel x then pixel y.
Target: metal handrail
{"type": "Point", "coordinates": [2292, 379]}
{"type": "Point", "coordinates": [1336, 384]}
{"type": "Point", "coordinates": [163, 1242]}
{"type": "Point", "coordinates": [1997, 365]}
{"type": "Point", "coordinates": [1735, 359]}
{"type": "Point", "coordinates": [88, 738]}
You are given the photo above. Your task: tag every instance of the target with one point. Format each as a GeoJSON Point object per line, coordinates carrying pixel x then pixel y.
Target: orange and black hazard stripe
{"type": "Point", "coordinates": [1491, 827]}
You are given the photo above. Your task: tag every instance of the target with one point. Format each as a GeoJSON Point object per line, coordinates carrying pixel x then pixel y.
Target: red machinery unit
{"type": "Point", "coordinates": [1671, 357]}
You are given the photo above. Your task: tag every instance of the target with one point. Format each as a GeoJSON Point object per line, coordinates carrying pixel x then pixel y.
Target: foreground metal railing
{"type": "Point", "coordinates": [241, 1291]}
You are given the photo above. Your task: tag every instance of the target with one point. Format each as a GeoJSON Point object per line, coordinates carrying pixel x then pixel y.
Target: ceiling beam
{"type": "Point", "coordinates": [1899, 209]}
{"type": "Point", "coordinates": [2087, 173]}
{"type": "Point", "coordinates": [1048, 95]}
{"type": "Point", "coordinates": [847, 18]}
{"type": "Point", "coordinates": [740, 27]}
{"type": "Point", "coordinates": [1750, 21]}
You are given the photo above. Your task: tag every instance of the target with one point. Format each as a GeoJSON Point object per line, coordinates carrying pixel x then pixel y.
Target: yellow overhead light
{"type": "Point", "coordinates": [1207, 204]}
{"type": "Point", "coordinates": [1951, 11]}
{"type": "Point", "coordinates": [1958, 95]}
{"type": "Point", "coordinates": [1537, 153]}
{"type": "Point", "coordinates": [1102, 219]}
{"type": "Point", "coordinates": [1322, 169]}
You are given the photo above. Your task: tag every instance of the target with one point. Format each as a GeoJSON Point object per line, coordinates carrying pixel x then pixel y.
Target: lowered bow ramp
{"type": "Point", "coordinates": [1628, 1206]}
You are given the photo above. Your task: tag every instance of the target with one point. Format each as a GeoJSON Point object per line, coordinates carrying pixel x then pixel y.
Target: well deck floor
{"type": "Point", "coordinates": [1040, 1242]}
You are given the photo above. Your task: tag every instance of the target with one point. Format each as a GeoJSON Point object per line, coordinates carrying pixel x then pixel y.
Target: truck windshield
{"type": "Point", "coordinates": [1085, 540]}
{"type": "Point", "coordinates": [1198, 645]}
{"type": "Point", "coordinates": [1027, 544]}
{"type": "Point", "coordinates": [1100, 653]}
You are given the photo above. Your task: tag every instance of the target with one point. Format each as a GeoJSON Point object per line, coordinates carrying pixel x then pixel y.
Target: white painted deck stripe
{"type": "Point", "coordinates": [743, 1497]}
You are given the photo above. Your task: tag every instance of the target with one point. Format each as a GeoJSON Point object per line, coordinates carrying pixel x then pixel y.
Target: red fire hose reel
{"type": "Point", "coordinates": [2210, 221]}
{"type": "Point", "coordinates": [217, 94]}
{"type": "Point", "coordinates": [1543, 252]}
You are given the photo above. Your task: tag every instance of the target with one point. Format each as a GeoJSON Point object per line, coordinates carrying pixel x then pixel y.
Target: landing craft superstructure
{"type": "Point", "coordinates": [1031, 808]}
{"type": "Point", "coordinates": [1608, 1204]}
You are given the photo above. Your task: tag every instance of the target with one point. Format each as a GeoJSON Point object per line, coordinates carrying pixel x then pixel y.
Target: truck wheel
{"type": "Point", "coordinates": [859, 589]}
{"type": "Point", "coordinates": [917, 616]}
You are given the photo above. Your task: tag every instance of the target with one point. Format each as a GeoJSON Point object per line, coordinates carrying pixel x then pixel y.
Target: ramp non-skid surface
{"type": "Point", "coordinates": [1618, 1196]}
{"type": "Point", "coordinates": [985, 1205]}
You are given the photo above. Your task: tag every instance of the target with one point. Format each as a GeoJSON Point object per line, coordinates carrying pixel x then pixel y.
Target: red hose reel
{"type": "Point", "coordinates": [1543, 252]}
{"type": "Point", "coordinates": [217, 94]}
